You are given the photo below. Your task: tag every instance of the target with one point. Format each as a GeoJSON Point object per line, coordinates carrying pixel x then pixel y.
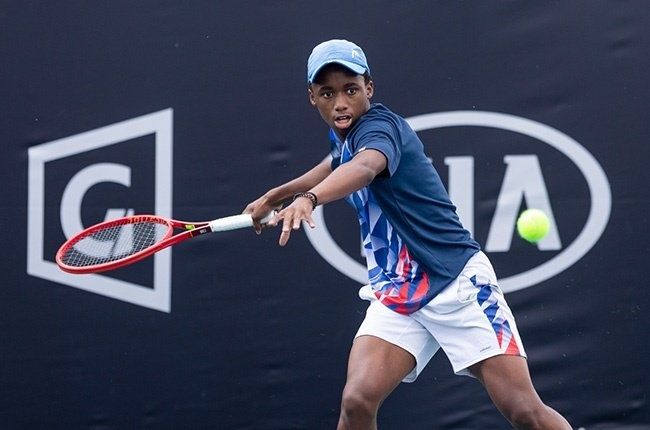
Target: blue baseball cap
{"type": "Point", "coordinates": [337, 51]}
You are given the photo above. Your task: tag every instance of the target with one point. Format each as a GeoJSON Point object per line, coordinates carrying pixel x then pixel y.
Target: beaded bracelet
{"type": "Point", "coordinates": [309, 195]}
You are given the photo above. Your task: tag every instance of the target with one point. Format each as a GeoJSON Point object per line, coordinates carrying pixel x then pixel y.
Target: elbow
{"type": "Point", "coordinates": [371, 163]}
{"type": "Point", "coordinates": [368, 175]}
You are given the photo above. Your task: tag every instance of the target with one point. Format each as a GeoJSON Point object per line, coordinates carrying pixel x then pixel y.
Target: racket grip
{"type": "Point", "coordinates": [236, 222]}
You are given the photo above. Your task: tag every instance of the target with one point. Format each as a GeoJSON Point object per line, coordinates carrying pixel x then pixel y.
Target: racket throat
{"type": "Point", "coordinates": [199, 231]}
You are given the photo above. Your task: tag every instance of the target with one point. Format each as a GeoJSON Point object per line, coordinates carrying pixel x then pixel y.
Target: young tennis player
{"type": "Point", "coordinates": [430, 285]}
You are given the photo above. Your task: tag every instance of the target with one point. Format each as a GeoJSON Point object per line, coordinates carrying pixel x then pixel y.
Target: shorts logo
{"type": "Point", "coordinates": [40, 263]}
{"type": "Point", "coordinates": [523, 181]}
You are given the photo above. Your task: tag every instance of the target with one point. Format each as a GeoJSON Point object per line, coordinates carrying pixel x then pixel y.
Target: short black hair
{"type": "Point", "coordinates": [318, 79]}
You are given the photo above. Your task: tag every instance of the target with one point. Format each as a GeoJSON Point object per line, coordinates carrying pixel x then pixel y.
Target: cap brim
{"type": "Point", "coordinates": [359, 70]}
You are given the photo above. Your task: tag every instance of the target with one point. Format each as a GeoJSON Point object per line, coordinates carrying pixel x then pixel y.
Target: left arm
{"type": "Point", "coordinates": [346, 179]}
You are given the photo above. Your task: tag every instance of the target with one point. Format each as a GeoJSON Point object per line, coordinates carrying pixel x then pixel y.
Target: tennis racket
{"type": "Point", "coordinates": [117, 243]}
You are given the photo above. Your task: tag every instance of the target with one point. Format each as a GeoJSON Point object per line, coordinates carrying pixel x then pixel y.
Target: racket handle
{"type": "Point", "coordinates": [236, 222]}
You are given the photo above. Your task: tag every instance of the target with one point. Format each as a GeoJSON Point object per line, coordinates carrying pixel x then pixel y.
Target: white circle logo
{"type": "Point", "coordinates": [599, 190]}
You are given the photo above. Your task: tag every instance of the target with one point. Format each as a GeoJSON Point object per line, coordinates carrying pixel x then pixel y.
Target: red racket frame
{"type": "Point", "coordinates": [192, 230]}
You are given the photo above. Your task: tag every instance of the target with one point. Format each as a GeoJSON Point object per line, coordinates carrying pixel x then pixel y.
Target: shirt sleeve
{"type": "Point", "coordinates": [380, 136]}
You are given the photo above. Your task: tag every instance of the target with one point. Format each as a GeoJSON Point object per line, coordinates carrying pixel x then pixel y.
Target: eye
{"type": "Point", "coordinates": [351, 91]}
{"type": "Point", "coordinates": [327, 94]}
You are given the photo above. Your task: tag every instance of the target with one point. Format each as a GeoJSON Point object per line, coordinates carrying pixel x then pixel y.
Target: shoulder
{"type": "Point", "coordinates": [380, 113]}
{"type": "Point", "coordinates": [378, 119]}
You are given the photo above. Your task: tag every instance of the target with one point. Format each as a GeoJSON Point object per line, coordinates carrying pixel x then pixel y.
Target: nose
{"type": "Point", "coordinates": [340, 103]}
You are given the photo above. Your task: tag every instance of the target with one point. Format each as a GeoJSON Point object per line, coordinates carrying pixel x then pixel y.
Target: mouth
{"type": "Point", "coordinates": [343, 121]}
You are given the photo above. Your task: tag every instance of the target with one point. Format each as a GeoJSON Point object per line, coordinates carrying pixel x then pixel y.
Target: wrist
{"type": "Point", "coordinates": [308, 195]}
{"type": "Point", "coordinates": [273, 197]}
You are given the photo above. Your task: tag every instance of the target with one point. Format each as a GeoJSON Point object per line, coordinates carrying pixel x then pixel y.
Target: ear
{"type": "Point", "coordinates": [312, 98]}
{"type": "Point", "coordinates": [370, 89]}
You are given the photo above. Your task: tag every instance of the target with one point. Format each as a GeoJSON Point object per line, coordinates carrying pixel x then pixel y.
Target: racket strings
{"type": "Point", "coordinates": [114, 243]}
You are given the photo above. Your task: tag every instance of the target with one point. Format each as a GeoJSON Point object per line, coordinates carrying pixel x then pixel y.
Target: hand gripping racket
{"type": "Point", "coordinates": [120, 242]}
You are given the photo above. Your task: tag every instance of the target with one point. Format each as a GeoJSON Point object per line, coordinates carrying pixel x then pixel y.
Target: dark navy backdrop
{"type": "Point", "coordinates": [255, 336]}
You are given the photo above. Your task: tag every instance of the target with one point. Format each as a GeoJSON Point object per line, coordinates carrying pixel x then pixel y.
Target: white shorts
{"type": "Point", "coordinates": [469, 319]}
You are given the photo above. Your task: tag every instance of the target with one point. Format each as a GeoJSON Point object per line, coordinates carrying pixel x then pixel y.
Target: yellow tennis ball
{"type": "Point", "coordinates": [533, 225]}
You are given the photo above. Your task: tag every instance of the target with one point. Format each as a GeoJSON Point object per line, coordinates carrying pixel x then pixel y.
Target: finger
{"type": "Point", "coordinates": [286, 233]}
{"type": "Point", "coordinates": [284, 238]}
{"type": "Point", "coordinates": [309, 220]}
{"type": "Point", "coordinates": [276, 219]}
{"type": "Point", "coordinates": [269, 223]}
{"type": "Point", "coordinates": [258, 227]}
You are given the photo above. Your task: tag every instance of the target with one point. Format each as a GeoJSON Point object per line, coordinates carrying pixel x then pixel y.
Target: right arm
{"type": "Point", "coordinates": [273, 198]}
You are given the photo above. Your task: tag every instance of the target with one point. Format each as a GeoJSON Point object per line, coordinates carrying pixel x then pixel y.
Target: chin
{"type": "Point", "coordinates": [342, 131]}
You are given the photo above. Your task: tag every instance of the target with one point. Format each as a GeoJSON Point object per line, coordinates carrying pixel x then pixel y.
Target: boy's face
{"type": "Point", "coordinates": [341, 98]}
